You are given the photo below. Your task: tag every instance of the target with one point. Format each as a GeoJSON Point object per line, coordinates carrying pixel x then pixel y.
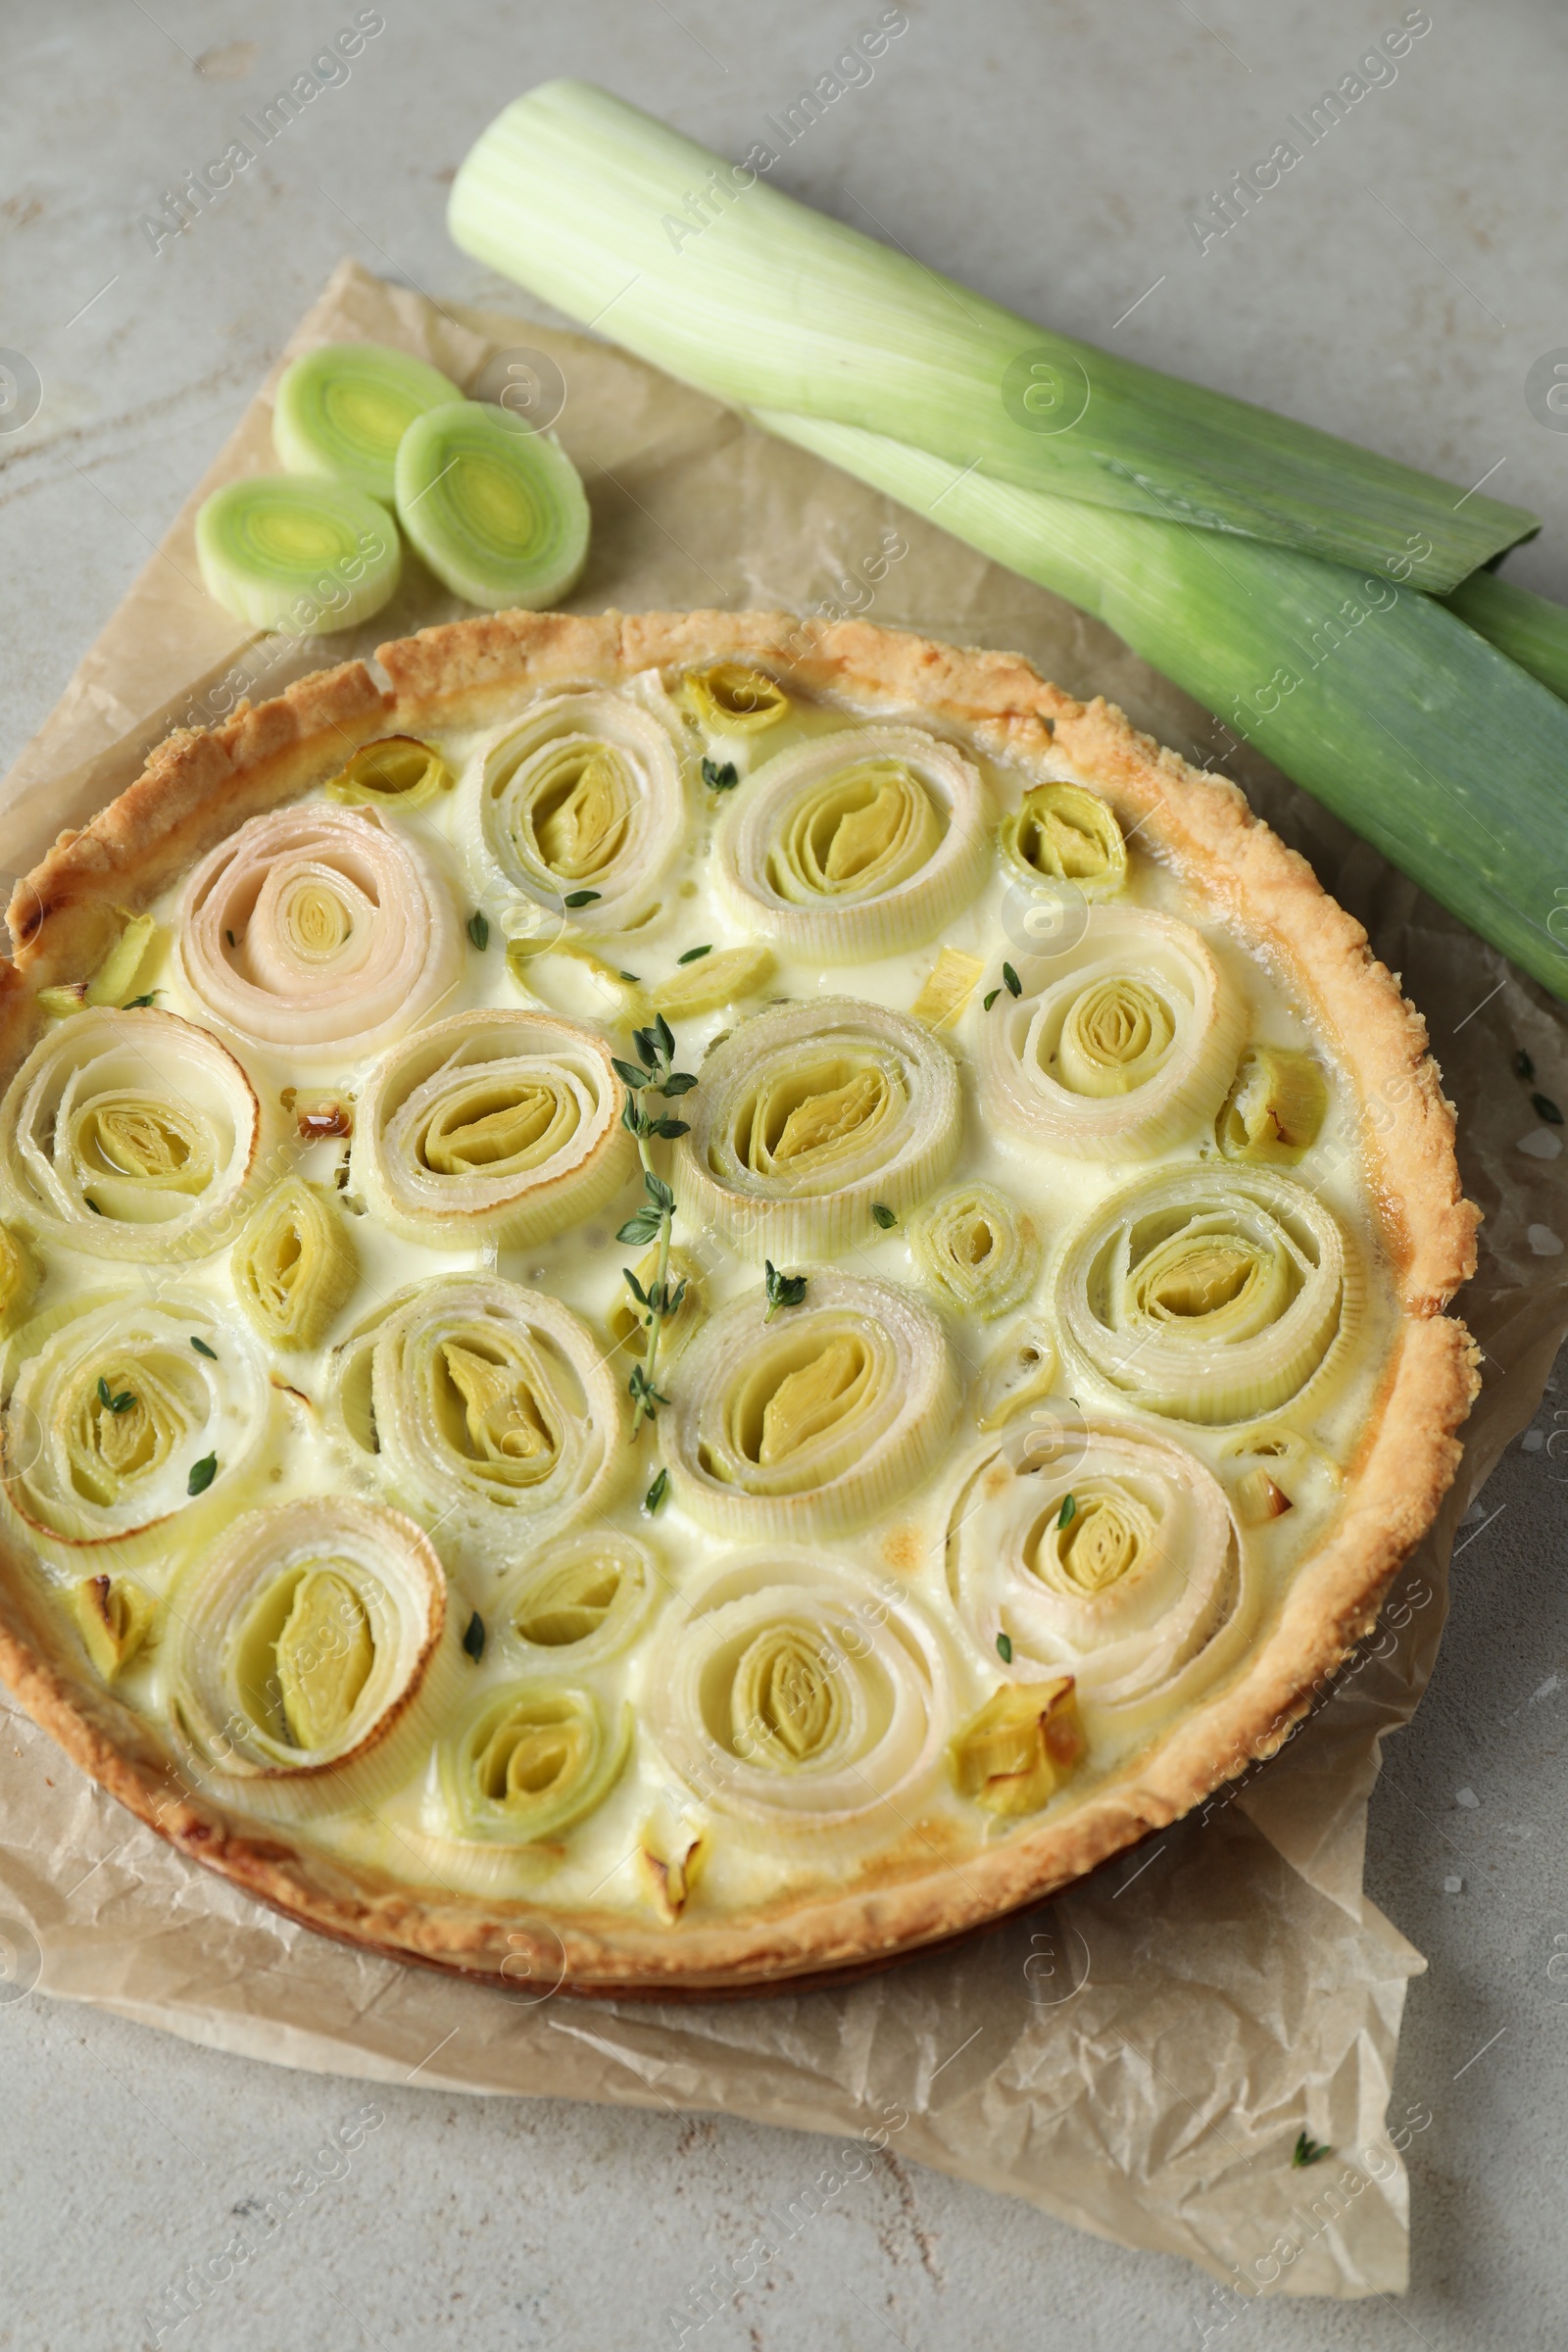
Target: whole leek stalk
{"type": "Point", "coordinates": [1530, 629]}
{"type": "Point", "coordinates": [1415, 729]}
{"type": "Point", "coordinates": [1418, 733]}
{"type": "Point", "coordinates": [725, 282]}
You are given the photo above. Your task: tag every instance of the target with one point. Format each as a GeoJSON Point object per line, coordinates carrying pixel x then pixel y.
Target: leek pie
{"type": "Point", "coordinates": [693, 1299]}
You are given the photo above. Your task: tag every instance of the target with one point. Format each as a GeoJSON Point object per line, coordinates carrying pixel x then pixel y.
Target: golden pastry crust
{"type": "Point", "coordinates": [199, 787]}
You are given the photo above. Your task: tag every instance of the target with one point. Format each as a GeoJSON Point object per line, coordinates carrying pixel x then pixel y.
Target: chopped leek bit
{"type": "Point", "coordinates": [657, 1491]}
{"type": "Point", "coordinates": [948, 988]}
{"type": "Point", "coordinates": [286, 553]}
{"type": "Point", "coordinates": [1275, 1109]}
{"type": "Point", "coordinates": [1545, 1108]}
{"type": "Point", "coordinates": [720, 776]}
{"type": "Point", "coordinates": [1068, 1511]}
{"type": "Point", "coordinates": [202, 1348]}
{"type": "Point", "coordinates": [725, 976]}
{"type": "Point", "coordinates": [783, 1289]}
{"type": "Point", "coordinates": [202, 1474]}
{"type": "Point", "coordinates": [886, 1217]}
{"type": "Point", "coordinates": [397, 772]}
{"type": "Point", "coordinates": [1308, 2150]}
{"type": "Point", "coordinates": [1025, 1740]}
{"type": "Point", "coordinates": [736, 700]}
{"type": "Point", "coordinates": [116, 976]}
{"type": "Point", "coordinates": [579, 897]}
{"type": "Point", "coordinates": [1010, 981]}
{"type": "Point", "coordinates": [479, 933]}
{"type": "Point", "coordinates": [113, 1616]}
{"type": "Point", "coordinates": [692, 954]}
{"type": "Point", "coordinates": [473, 1636]}
{"type": "Point", "coordinates": [1524, 1067]}
{"type": "Point", "coordinates": [497, 512]}
{"type": "Point", "coordinates": [990, 999]}
{"type": "Point", "coordinates": [340, 412]}
{"type": "Point", "coordinates": [58, 1001]}
{"type": "Point", "coordinates": [1004, 1648]}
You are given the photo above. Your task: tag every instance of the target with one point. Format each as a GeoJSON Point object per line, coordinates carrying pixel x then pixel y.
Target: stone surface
{"type": "Point", "coordinates": [1397, 287]}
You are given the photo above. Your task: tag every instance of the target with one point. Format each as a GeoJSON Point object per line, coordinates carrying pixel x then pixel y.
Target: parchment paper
{"type": "Point", "coordinates": [1138, 2057]}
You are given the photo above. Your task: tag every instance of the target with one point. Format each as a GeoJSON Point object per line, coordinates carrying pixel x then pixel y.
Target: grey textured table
{"type": "Point", "coordinates": [1397, 288]}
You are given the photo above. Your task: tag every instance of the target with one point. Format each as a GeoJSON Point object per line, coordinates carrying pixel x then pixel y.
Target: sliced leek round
{"type": "Point", "coordinates": [1210, 1297]}
{"type": "Point", "coordinates": [491, 1126]}
{"type": "Point", "coordinates": [1111, 1556]}
{"type": "Point", "coordinates": [130, 1135]}
{"type": "Point", "coordinates": [311, 1656]}
{"type": "Point", "coordinates": [977, 1248]}
{"type": "Point", "coordinates": [1120, 1047]}
{"type": "Point", "coordinates": [281, 552]}
{"type": "Point", "coordinates": [294, 1266]}
{"type": "Point", "coordinates": [531, 1762]}
{"type": "Point", "coordinates": [1064, 833]}
{"type": "Point", "coordinates": [855, 846]}
{"type": "Point", "coordinates": [496, 511]}
{"type": "Point", "coordinates": [483, 1406]}
{"type": "Point", "coordinates": [318, 930]}
{"type": "Point", "coordinates": [580, 1601]}
{"type": "Point", "coordinates": [340, 412]}
{"type": "Point", "coordinates": [580, 806]}
{"type": "Point", "coordinates": [802, 1695]}
{"type": "Point", "coordinates": [816, 1422]}
{"type": "Point", "coordinates": [117, 1422]}
{"type": "Point", "coordinates": [807, 1119]}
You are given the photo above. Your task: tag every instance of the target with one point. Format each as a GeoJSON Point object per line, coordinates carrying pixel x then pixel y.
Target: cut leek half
{"type": "Point", "coordinates": [731, 698]}
{"type": "Point", "coordinates": [800, 1695]}
{"type": "Point", "coordinates": [1212, 1298]}
{"type": "Point", "coordinates": [1415, 731]}
{"type": "Point", "coordinates": [581, 1601]}
{"type": "Point", "coordinates": [591, 205]}
{"type": "Point", "coordinates": [483, 1405]}
{"type": "Point", "coordinates": [313, 1655]}
{"type": "Point", "coordinates": [809, 1118]}
{"type": "Point", "coordinates": [137, 1129]}
{"type": "Point", "coordinates": [115, 1412]}
{"type": "Point", "coordinates": [294, 1266]}
{"type": "Point", "coordinates": [283, 552]}
{"type": "Point", "coordinates": [497, 512]}
{"type": "Point", "coordinates": [976, 1248]}
{"type": "Point", "coordinates": [814, 1423]}
{"type": "Point", "coordinates": [1014, 1754]}
{"type": "Point", "coordinates": [340, 412]}
{"type": "Point", "coordinates": [1142, 1578]}
{"type": "Point", "coordinates": [532, 1761]}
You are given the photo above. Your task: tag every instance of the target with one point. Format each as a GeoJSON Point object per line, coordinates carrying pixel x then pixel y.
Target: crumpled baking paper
{"type": "Point", "coordinates": [1138, 2056]}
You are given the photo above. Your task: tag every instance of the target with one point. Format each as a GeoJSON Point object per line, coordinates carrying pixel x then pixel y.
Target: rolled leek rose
{"type": "Point", "coordinates": [1122, 1047]}
{"type": "Point", "coordinates": [1114, 1558]}
{"type": "Point", "coordinates": [294, 1264]}
{"type": "Point", "coordinates": [578, 803]}
{"type": "Point", "coordinates": [1212, 1298]}
{"type": "Point", "coordinates": [854, 846]}
{"type": "Point", "coordinates": [814, 1423]}
{"type": "Point", "coordinates": [589, 1594]}
{"type": "Point", "coordinates": [491, 1126]}
{"type": "Point", "coordinates": [976, 1248]}
{"type": "Point", "coordinates": [809, 1116]}
{"type": "Point", "coordinates": [311, 1656]}
{"type": "Point", "coordinates": [1064, 833]}
{"type": "Point", "coordinates": [801, 1697]}
{"type": "Point", "coordinates": [134, 1135]}
{"type": "Point", "coordinates": [532, 1761]}
{"type": "Point", "coordinates": [319, 931]}
{"type": "Point", "coordinates": [484, 1406]}
{"type": "Point", "coordinates": [116, 1420]}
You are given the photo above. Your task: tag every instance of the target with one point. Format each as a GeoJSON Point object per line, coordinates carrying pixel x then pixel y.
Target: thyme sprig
{"type": "Point", "coordinates": [652, 1074]}
{"type": "Point", "coordinates": [783, 1289]}
{"type": "Point", "coordinates": [1308, 2150]}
